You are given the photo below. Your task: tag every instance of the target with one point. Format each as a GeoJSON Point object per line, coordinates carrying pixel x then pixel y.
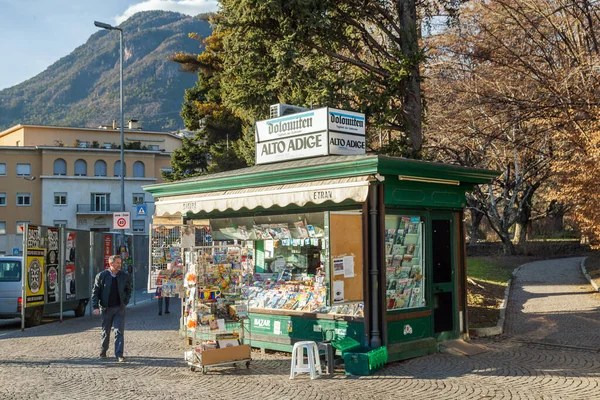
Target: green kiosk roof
{"type": "Point", "coordinates": [300, 183]}
{"type": "Point", "coordinates": [322, 168]}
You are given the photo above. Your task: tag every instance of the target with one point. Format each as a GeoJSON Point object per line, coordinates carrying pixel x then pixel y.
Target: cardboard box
{"type": "Point", "coordinates": [227, 354]}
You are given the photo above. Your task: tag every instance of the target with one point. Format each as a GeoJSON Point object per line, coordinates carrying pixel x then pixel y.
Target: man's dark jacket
{"type": "Point", "coordinates": [102, 285]}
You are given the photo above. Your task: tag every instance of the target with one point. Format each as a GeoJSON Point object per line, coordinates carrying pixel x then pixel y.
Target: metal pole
{"type": "Point", "coordinates": [374, 267]}
{"type": "Point", "coordinates": [24, 275]}
{"type": "Point", "coordinates": [122, 133]}
{"type": "Point", "coordinates": [63, 266]}
{"type": "Point", "coordinates": [114, 28]}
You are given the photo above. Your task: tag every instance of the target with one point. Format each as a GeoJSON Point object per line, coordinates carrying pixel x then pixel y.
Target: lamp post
{"type": "Point", "coordinates": [114, 28]}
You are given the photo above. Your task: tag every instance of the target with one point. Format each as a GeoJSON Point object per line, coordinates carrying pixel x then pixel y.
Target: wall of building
{"type": "Point", "coordinates": [79, 192]}
{"type": "Point", "coordinates": [11, 185]}
{"type": "Point", "coordinates": [42, 152]}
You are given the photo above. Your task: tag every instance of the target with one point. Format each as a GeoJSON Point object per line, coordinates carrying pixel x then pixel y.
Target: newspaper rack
{"type": "Point", "coordinates": [216, 306]}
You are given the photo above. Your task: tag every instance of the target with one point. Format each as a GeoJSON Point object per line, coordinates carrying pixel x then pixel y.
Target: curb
{"type": "Point", "coordinates": [499, 328]}
{"type": "Point", "coordinates": [587, 276]}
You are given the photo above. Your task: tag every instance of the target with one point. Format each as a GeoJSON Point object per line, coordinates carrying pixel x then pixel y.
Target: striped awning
{"type": "Point", "coordinates": [353, 189]}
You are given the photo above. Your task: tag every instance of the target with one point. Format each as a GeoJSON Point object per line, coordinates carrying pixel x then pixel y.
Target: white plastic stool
{"type": "Point", "coordinates": [314, 362]}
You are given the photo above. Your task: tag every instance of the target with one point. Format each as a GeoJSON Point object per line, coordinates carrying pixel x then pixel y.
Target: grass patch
{"type": "Point", "coordinates": [489, 269]}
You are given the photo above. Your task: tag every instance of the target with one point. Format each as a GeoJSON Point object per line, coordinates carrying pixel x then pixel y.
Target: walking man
{"type": "Point", "coordinates": [110, 296]}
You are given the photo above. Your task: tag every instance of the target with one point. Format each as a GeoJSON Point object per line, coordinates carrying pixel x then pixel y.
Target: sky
{"type": "Point", "coordinates": [36, 33]}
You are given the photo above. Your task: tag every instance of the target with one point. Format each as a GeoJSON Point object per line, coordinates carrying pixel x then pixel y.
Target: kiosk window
{"type": "Point", "coordinates": [290, 260]}
{"type": "Point", "coordinates": [405, 272]}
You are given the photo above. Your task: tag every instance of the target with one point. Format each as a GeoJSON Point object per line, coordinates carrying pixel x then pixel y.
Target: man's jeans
{"type": "Point", "coordinates": [116, 316]}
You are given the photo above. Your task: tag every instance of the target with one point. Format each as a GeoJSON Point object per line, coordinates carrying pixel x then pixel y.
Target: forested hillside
{"type": "Point", "coordinates": [82, 89]}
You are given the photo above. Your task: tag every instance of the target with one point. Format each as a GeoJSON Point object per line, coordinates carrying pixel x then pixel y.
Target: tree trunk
{"type": "Point", "coordinates": [557, 222]}
{"type": "Point", "coordinates": [409, 41]}
{"type": "Point", "coordinates": [476, 218]}
{"type": "Point", "coordinates": [508, 246]}
{"type": "Point", "coordinates": [522, 224]}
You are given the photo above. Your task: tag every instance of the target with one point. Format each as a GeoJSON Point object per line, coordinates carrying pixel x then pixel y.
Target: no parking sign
{"type": "Point", "coordinates": [121, 220]}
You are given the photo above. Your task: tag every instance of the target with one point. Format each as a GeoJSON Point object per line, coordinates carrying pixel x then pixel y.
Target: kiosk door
{"type": "Point", "coordinates": [443, 277]}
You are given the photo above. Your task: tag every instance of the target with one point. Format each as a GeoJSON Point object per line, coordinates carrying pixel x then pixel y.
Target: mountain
{"type": "Point", "coordinates": [82, 89]}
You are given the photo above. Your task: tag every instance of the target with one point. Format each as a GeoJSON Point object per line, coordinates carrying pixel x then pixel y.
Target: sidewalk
{"type": "Point", "coordinates": [60, 361]}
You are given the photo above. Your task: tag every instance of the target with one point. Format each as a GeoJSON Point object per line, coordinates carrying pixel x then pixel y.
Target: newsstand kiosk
{"type": "Point", "coordinates": [341, 243]}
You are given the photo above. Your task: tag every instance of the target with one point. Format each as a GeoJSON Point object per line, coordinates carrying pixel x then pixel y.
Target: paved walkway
{"type": "Point", "coordinates": [550, 351]}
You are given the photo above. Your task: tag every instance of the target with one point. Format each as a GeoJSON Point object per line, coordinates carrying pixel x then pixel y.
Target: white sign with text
{"type": "Point", "coordinates": [311, 133]}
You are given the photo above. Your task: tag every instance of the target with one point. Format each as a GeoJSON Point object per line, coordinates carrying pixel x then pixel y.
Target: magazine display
{"type": "Point", "coordinates": [215, 306]}
{"type": "Point", "coordinates": [404, 263]}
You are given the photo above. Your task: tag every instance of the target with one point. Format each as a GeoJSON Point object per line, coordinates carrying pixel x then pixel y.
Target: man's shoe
{"type": "Point", "coordinates": [103, 355]}
{"type": "Point", "coordinates": [159, 313]}
{"type": "Point", "coordinates": [121, 359]}
{"type": "Point", "coordinates": [167, 312]}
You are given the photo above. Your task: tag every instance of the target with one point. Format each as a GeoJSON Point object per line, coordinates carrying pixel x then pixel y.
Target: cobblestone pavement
{"type": "Point", "coordinates": [550, 351]}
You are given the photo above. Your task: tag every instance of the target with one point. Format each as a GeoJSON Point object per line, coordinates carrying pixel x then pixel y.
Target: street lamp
{"type": "Point", "coordinates": [114, 28]}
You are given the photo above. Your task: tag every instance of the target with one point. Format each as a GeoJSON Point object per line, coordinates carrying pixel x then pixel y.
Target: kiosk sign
{"type": "Point", "coordinates": [308, 134]}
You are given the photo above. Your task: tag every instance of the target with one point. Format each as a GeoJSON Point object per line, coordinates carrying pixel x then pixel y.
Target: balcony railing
{"type": "Point", "coordinates": [93, 209]}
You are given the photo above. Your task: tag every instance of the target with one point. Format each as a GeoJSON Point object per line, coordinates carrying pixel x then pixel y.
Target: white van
{"type": "Point", "coordinates": [11, 300]}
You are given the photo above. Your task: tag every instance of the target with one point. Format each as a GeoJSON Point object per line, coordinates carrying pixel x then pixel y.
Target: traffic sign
{"type": "Point", "coordinates": [121, 220]}
{"type": "Point", "coordinates": [142, 210]}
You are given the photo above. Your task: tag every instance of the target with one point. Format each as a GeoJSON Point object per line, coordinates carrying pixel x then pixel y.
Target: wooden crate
{"type": "Point", "coordinates": [226, 354]}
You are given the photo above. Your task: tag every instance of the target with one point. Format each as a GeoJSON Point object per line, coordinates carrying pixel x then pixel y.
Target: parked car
{"type": "Point", "coordinates": [11, 295]}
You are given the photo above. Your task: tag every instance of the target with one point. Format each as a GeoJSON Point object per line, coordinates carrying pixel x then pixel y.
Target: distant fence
{"type": "Point", "coordinates": [550, 248]}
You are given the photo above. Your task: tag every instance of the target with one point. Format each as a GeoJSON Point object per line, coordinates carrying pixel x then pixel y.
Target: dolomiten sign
{"type": "Point", "coordinates": [308, 134]}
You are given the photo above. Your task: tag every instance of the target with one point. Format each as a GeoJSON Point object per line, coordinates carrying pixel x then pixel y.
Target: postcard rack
{"type": "Point", "coordinates": [216, 282]}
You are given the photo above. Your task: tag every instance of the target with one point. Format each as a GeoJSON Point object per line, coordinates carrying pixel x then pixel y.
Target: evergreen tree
{"type": "Point", "coordinates": [203, 112]}
{"type": "Point", "coordinates": [189, 160]}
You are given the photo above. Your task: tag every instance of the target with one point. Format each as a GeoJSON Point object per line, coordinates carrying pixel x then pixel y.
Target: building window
{"type": "Point", "coordinates": [100, 168]}
{"type": "Point", "coordinates": [2, 199]}
{"type": "Point", "coordinates": [138, 169]}
{"type": "Point", "coordinates": [166, 169]}
{"type": "Point", "coordinates": [153, 147]}
{"type": "Point", "coordinates": [60, 167]}
{"type": "Point", "coordinates": [138, 225]}
{"type": "Point", "coordinates": [2, 227]}
{"type": "Point", "coordinates": [60, 223]}
{"type": "Point", "coordinates": [118, 168]}
{"type": "Point", "coordinates": [23, 199]}
{"type": "Point", "coordinates": [24, 169]}
{"type": "Point", "coordinates": [100, 202]}
{"type": "Point", "coordinates": [3, 169]}
{"type": "Point", "coordinates": [107, 145]}
{"type": "Point", "coordinates": [80, 168]}
{"type": "Point", "coordinates": [21, 227]}
{"type": "Point", "coordinates": [60, 199]}
{"type": "Point", "coordinates": [138, 198]}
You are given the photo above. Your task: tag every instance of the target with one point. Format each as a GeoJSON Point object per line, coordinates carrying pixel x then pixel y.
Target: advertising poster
{"type": "Point", "coordinates": [70, 282]}
{"type": "Point", "coordinates": [52, 266]}
{"type": "Point", "coordinates": [107, 249]}
{"type": "Point", "coordinates": [35, 277]}
{"type": "Point", "coordinates": [126, 254]}
{"type": "Point", "coordinates": [70, 291]}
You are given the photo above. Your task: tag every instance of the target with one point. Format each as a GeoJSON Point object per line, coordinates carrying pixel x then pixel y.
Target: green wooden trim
{"type": "Point", "coordinates": [415, 348]}
{"type": "Point", "coordinates": [417, 194]}
{"type": "Point", "coordinates": [421, 329]}
{"type": "Point", "coordinates": [403, 166]}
